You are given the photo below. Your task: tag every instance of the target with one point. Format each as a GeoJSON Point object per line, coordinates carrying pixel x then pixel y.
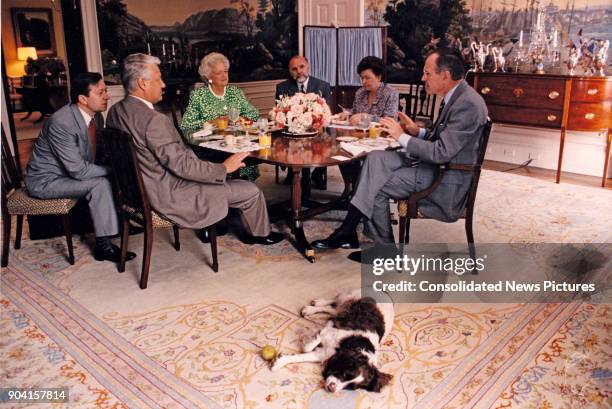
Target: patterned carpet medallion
{"type": "Point", "coordinates": [204, 351]}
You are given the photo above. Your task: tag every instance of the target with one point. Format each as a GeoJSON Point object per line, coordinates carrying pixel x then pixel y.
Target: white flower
{"type": "Point", "coordinates": [301, 112]}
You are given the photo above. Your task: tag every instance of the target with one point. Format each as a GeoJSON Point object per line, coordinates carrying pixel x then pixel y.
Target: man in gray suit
{"type": "Point", "coordinates": [301, 81]}
{"type": "Point", "coordinates": [62, 162]}
{"type": "Point", "coordinates": [455, 137]}
{"type": "Point", "coordinates": [191, 192]}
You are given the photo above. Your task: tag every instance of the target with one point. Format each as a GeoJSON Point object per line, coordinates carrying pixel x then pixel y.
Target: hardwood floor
{"type": "Point", "coordinates": [548, 174]}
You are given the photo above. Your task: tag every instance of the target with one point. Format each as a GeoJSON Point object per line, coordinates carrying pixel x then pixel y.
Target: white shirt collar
{"type": "Point", "coordinates": [305, 83]}
{"type": "Point", "coordinates": [86, 117]}
{"type": "Point", "coordinates": [450, 93]}
{"type": "Point", "coordinates": [147, 103]}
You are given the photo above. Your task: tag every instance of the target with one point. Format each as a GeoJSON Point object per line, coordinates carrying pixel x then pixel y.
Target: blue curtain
{"type": "Point", "coordinates": [320, 50]}
{"type": "Point", "coordinates": [353, 45]}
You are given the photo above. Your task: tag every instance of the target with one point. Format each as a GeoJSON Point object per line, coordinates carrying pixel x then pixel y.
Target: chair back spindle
{"type": "Point", "coordinates": [11, 175]}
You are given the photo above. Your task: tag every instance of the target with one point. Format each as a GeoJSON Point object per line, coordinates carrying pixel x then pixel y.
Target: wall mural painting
{"type": "Point", "coordinates": [258, 36]}
{"type": "Point", "coordinates": [417, 26]}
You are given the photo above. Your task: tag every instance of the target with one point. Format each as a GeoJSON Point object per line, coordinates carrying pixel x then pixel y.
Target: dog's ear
{"type": "Point", "coordinates": [378, 380]}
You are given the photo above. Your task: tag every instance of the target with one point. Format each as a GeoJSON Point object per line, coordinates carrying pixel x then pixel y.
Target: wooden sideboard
{"type": "Point", "coordinates": [550, 101]}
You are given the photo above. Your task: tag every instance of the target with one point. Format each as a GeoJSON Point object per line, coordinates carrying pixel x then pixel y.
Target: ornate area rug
{"type": "Point", "coordinates": [192, 339]}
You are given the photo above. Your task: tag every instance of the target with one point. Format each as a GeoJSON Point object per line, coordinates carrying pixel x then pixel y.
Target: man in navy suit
{"type": "Point", "coordinates": [301, 81]}
{"type": "Point", "coordinates": [62, 162]}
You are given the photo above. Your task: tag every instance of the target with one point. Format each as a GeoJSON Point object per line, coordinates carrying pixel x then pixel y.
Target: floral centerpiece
{"type": "Point", "coordinates": [301, 113]}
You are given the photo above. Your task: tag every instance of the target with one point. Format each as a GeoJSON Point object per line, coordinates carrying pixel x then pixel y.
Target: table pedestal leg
{"type": "Point", "coordinates": [296, 217]}
{"type": "Point", "coordinates": [607, 157]}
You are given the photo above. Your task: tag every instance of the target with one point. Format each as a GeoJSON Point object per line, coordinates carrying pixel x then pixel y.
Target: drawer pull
{"type": "Point", "coordinates": [485, 90]}
{"type": "Point", "coordinates": [553, 95]}
{"type": "Point", "coordinates": [592, 91]}
{"type": "Point", "coordinates": [551, 117]}
{"type": "Point", "coordinates": [518, 92]}
{"type": "Point", "coordinates": [589, 116]}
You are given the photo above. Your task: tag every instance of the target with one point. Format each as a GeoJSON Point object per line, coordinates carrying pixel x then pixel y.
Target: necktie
{"type": "Point", "coordinates": [92, 135]}
{"type": "Point", "coordinates": [302, 88]}
{"type": "Point", "coordinates": [441, 108]}
{"type": "Point", "coordinates": [432, 135]}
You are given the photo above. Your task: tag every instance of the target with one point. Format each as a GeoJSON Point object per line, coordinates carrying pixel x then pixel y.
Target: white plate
{"type": "Point", "coordinates": [374, 142]}
{"type": "Point", "coordinates": [339, 122]}
{"type": "Point", "coordinates": [346, 138]}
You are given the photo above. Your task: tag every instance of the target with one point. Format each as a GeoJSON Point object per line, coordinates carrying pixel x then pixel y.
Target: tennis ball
{"type": "Point", "coordinates": [268, 352]}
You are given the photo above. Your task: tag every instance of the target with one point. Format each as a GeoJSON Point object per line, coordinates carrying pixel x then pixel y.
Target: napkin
{"type": "Point", "coordinates": [355, 149]}
{"type": "Point", "coordinates": [204, 132]}
{"type": "Point", "coordinates": [368, 145]}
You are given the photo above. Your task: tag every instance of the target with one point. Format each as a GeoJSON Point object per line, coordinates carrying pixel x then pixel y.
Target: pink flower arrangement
{"type": "Point", "coordinates": [301, 113]}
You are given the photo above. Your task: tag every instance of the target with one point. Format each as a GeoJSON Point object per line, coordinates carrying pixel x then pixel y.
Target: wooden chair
{"type": "Point", "coordinates": [17, 202]}
{"type": "Point", "coordinates": [133, 201]}
{"type": "Point", "coordinates": [178, 99]}
{"type": "Point", "coordinates": [417, 104]}
{"type": "Point", "coordinates": [408, 208]}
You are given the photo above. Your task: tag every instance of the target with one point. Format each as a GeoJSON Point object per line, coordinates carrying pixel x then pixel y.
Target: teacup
{"type": "Point", "coordinates": [230, 139]}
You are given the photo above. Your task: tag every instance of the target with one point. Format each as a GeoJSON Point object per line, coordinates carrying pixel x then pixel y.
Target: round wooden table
{"type": "Point", "coordinates": [302, 154]}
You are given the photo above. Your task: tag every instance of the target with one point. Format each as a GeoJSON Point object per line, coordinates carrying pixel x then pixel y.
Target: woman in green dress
{"type": "Point", "coordinates": [215, 100]}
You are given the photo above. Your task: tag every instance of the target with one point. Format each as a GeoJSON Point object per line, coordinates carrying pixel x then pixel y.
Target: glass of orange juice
{"type": "Point", "coordinates": [265, 140]}
{"type": "Point", "coordinates": [374, 132]}
{"type": "Point", "coordinates": [222, 124]}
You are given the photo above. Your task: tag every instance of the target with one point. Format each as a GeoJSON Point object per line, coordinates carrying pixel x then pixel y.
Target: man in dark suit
{"type": "Point", "coordinates": [62, 162]}
{"type": "Point", "coordinates": [455, 137]}
{"type": "Point", "coordinates": [301, 81]}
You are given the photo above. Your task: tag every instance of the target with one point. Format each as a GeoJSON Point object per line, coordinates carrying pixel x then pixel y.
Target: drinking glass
{"type": "Point", "coordinates": [364, 122]}
{"type": "Point", "coordinates": [346, 112]}
{"type": "Point", "coordinates": [234, 115]}
{"type": "Point", "coordinates": [262, 125]}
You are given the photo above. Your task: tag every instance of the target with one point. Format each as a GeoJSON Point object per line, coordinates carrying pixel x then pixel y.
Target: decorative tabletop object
{"type": "Point", "coordinates": [301, 114]}
{"type": "Point", "coordinates": [499, 60]}
{"type": "Point", "coordinates": [481, 51]}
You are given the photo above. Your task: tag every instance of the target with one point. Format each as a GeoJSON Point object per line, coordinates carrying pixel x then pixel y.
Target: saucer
{"type": "Point", "coordinates": [346, 138]}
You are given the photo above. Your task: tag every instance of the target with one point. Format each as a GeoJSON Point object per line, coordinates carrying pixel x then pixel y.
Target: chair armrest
{"type": "Point", "coordinates": [440, 170]}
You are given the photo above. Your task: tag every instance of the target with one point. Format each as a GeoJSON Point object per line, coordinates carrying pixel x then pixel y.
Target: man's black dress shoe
{"type": "Point", "coordinates": [220, 230]}
{"type": "Point", "coordinates": [355, 256]}
{"type": "Point", "coordinates": [112, 253]}
{"type": "Point", "coordinates": [272, 238]}
{"type": "Point", "coordinates": [336, 240]}
{"type": "Point", "coordinates": [388, 252]}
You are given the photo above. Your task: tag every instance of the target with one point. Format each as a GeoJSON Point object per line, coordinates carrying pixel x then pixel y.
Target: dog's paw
{"type": "Point", "coordinates": [278, 363]}
{"type": "Point", "coordinates": [310, 344]}
{"type": "Point", "coordinates": [309, 310]}
{"type": "Point", "coordinates": [321, 303]}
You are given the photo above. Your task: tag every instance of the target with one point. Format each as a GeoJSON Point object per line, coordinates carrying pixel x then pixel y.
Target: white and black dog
{"type": "Point", "coordinates": [349, 342]}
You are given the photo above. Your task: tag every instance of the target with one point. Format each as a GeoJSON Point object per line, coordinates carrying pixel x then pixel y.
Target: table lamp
{"type": "Point", "coordinates": [23, 53]}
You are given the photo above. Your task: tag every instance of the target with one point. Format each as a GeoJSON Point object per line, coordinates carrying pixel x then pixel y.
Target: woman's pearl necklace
{"type": "Point", "coordinates": [222, 97]}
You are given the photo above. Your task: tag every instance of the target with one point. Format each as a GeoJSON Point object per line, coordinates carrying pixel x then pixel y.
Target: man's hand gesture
{"type": "Point", "coordinates": [235, 162]}
{"type": "Point", "coordinates": [392, 127]}
{"type": "Point", "coordinates": [408, 124]}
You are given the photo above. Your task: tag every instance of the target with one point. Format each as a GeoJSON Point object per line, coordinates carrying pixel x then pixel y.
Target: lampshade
{"type": "Point", "coordinates": [23, 53]}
